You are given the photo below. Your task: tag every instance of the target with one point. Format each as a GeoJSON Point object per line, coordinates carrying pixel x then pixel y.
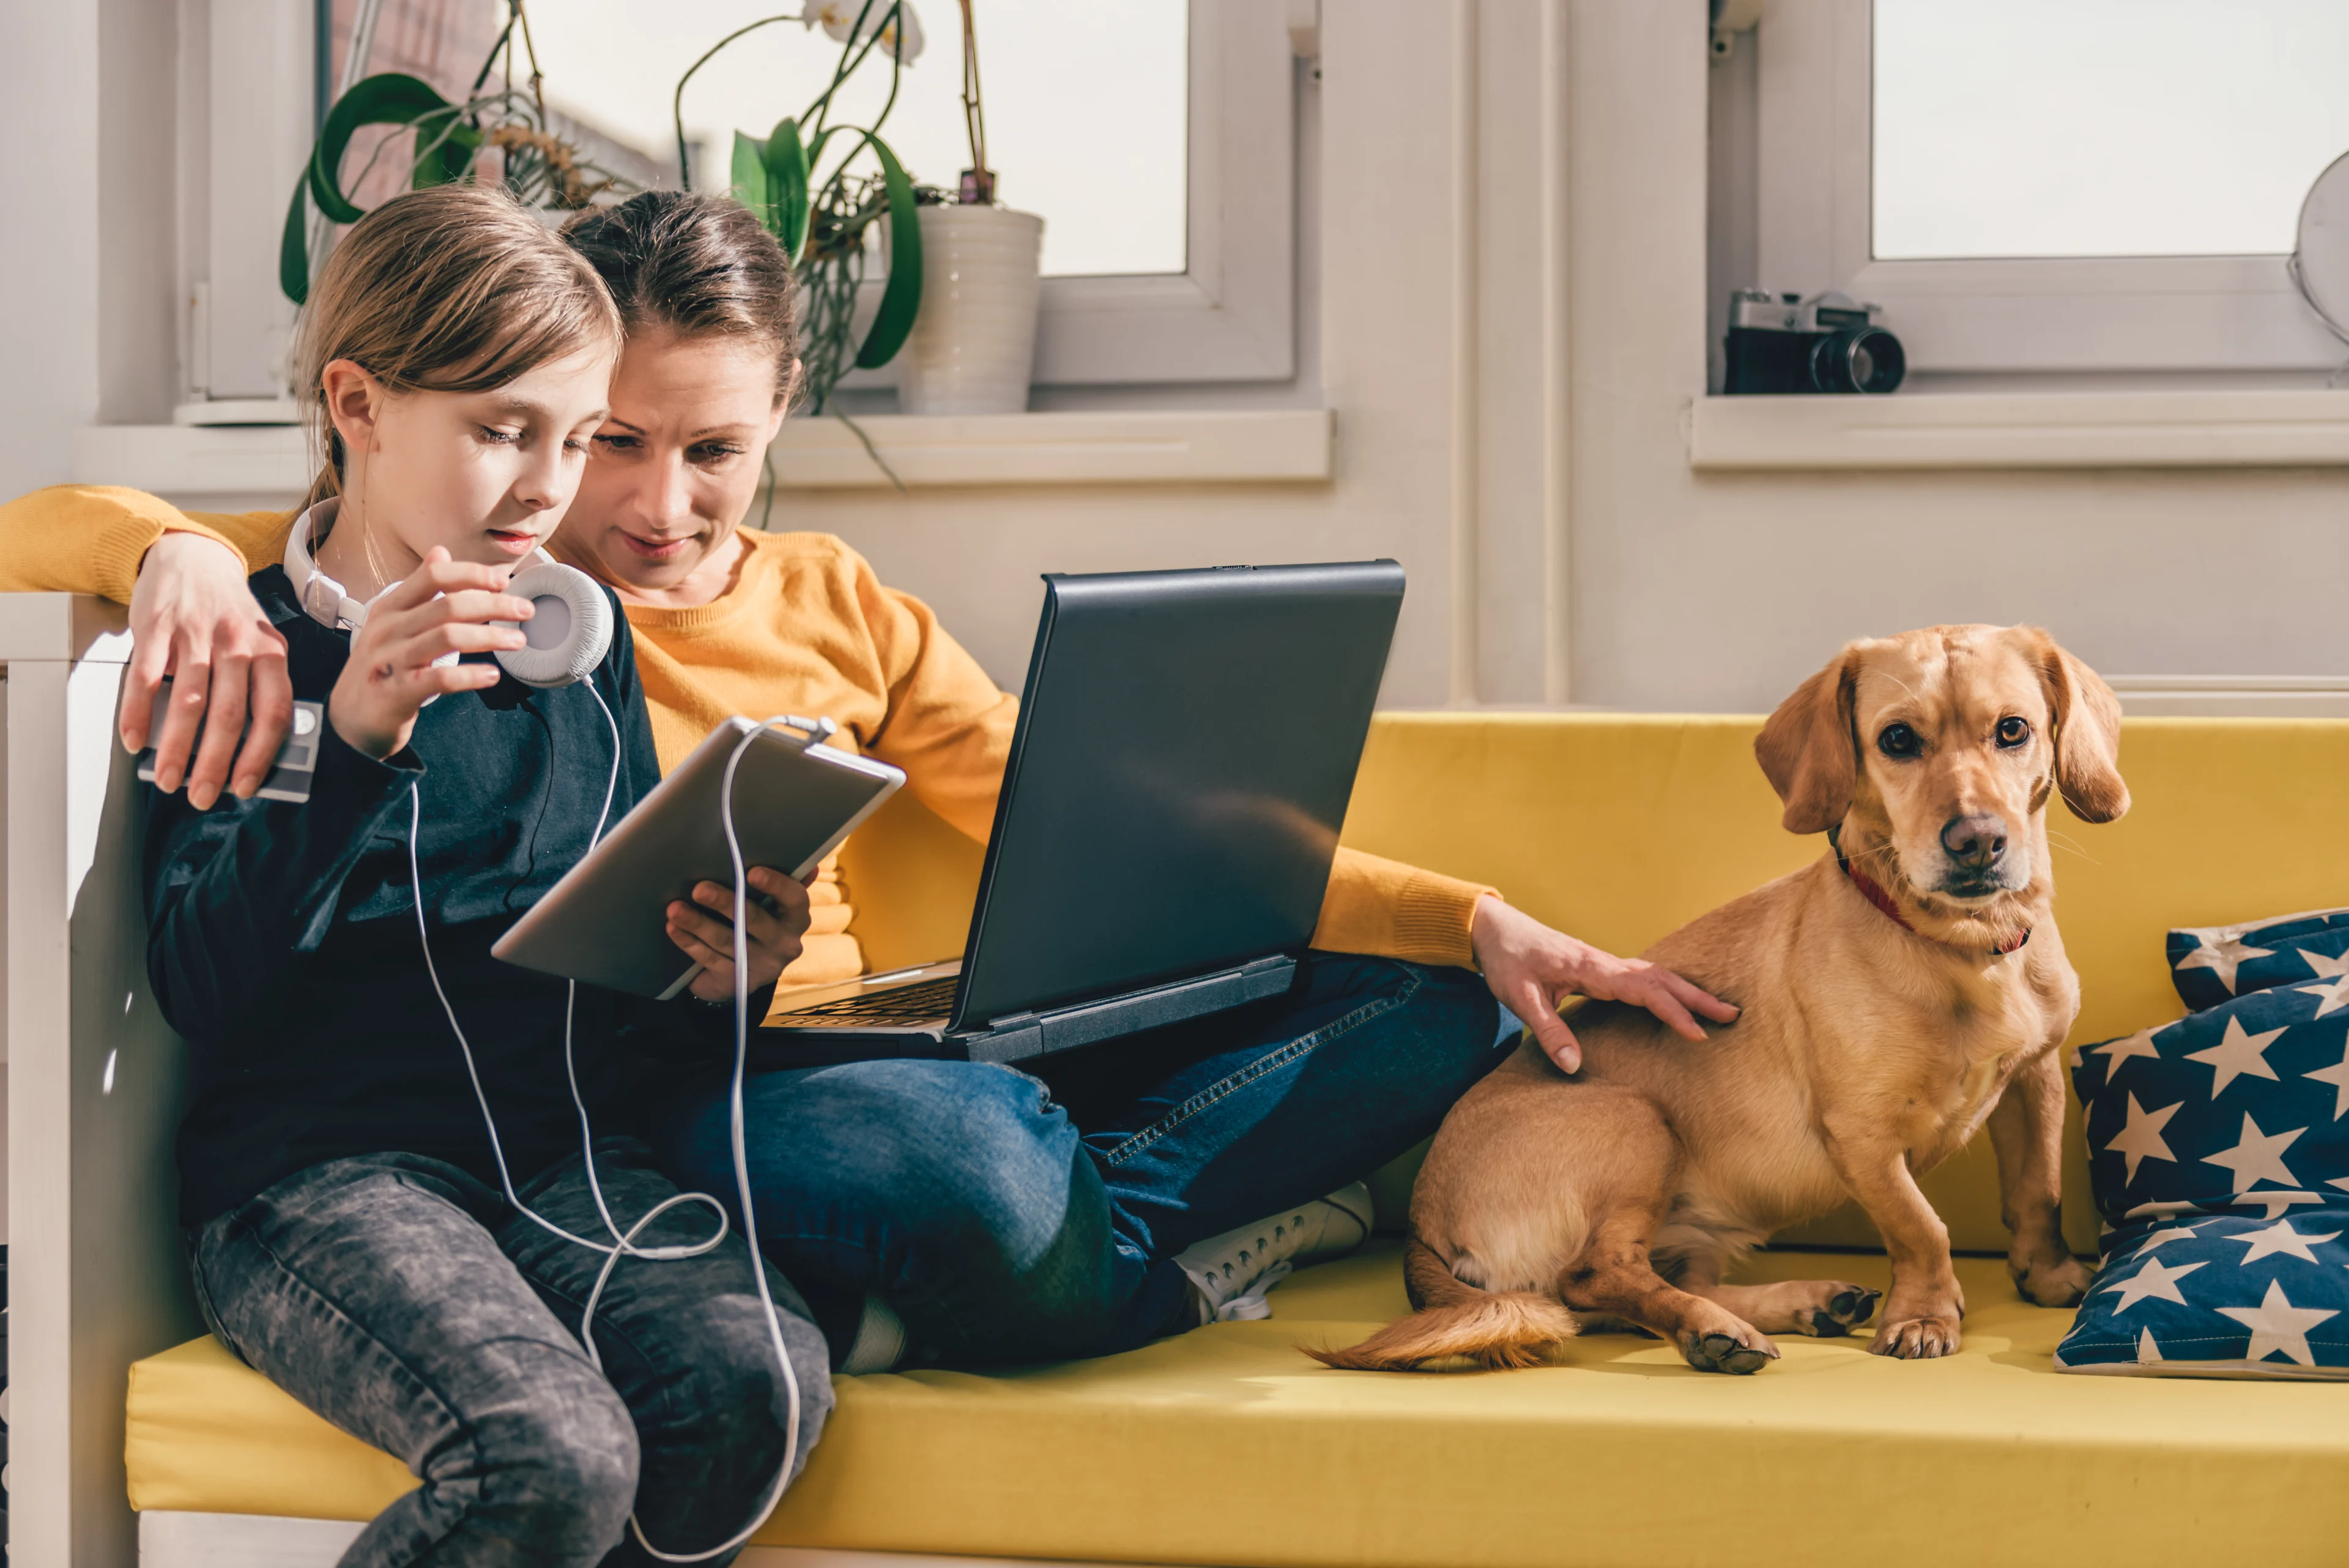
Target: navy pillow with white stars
{"type": "Point", "coordinates": [2219, 1156]}
{"type": "Point", "coordinates": [2211, 965]}
{"type": "Point", "coordinates": [2220, 1295]}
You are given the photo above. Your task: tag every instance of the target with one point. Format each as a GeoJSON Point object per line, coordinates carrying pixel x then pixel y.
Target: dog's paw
{"type": "Point", "coordinates": [1916, 1338]}
{"type": "Point", "coordinates": [2051, 1281]}
{"type": "Point", "coordinates": [1746, 1350]}
{"type": "Point", "coordinates": [1847, 1306]}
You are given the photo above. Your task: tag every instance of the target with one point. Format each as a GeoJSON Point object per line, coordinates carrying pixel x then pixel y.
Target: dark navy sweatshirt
{"type": "Point", "coordinates": [283, 941]}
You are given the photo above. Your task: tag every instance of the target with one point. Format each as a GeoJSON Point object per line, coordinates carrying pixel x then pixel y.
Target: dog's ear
{"type": "Point", "coordinates": [2087, 718]}
{"type": "Point", "coordinates": [1807, 749]}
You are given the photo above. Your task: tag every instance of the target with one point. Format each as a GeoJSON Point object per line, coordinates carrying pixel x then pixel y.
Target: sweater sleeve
{"type": "Point", "coordinates": [233, 892]}
{"type": "Point", "coordinates": [947, 725]}
{"type": "Point", "coordinates": [1387, 909]}
{"type": "Point", "coordinates": [90, 538]}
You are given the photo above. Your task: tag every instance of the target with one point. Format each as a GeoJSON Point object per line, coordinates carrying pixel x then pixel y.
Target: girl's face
{"type": "Point", "coordinates": [677, 463]}
{"type": "Point", "coordinates": [485, 475]}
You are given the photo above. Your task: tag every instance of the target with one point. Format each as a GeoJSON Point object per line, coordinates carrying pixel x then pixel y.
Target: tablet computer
{"type": "Point", "coordinates": [605, 922]}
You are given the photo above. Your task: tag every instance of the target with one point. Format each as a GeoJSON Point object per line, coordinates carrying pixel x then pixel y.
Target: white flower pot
{"type": "Point", "coordinates": [973, 345]}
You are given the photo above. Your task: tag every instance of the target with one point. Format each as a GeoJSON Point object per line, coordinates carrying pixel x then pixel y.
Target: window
{"type": "Point", "coordinates": [1112, 197]}
{"type": "Point", "coordinates": [2182, 128]}
{"type": "Point", "coordinates": [1157, 137]}
{"type": "Point", "coordinates": [2098, 187]}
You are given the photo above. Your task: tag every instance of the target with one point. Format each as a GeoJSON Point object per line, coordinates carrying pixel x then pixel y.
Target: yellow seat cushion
{"type": "Point", "coordinates": [1226, 1446]}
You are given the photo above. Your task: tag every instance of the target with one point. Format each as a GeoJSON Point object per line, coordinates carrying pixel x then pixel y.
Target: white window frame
{"type": "Point", "coordinates": [245, 124]}
{"type": "Point", "coordinates": [1230, 318]}
{"type": "Point", "coordinates": [2125, 314]}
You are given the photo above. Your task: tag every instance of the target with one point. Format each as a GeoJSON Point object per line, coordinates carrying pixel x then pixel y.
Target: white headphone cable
{"type": "Point", "coordinates": [624, 1244]}
{"type": "Point", "coordinates": [741, 1156]}
{"type": "Point", "coordinates": [497, 1147]}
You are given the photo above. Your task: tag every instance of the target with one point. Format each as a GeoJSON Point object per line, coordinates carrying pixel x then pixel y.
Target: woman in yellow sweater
{"type": "Point", "coordinates": [972, 1212]}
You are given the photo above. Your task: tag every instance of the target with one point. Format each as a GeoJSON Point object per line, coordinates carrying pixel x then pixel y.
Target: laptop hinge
{"type": "Point", "coordinates": [1018, 1036]}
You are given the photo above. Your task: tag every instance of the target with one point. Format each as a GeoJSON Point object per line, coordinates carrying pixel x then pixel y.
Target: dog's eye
{"type": "Point", "coordinates": [2013, 731]}
{"type": "Point", "coordinates": [1898, 741]}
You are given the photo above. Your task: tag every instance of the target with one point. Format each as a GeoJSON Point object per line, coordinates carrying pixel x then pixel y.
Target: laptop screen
{"type": "Point", "coordinates": [1187, 746]}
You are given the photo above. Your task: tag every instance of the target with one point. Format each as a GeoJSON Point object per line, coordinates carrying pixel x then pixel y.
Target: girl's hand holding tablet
{"type": "Point", "coordinates": [704, 931]}
{"type": "Point", "coordinates": [445, 606]}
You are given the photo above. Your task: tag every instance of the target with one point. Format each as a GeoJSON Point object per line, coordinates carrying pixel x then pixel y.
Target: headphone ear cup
{"type": "Point", "coordinates": [569, 635]}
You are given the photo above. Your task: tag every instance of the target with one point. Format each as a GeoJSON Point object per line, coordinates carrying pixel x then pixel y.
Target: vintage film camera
{"type": "Point", "coordinates": [1785, 343]}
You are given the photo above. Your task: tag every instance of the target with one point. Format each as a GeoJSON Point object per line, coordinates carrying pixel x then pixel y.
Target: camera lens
{"type": "Point", "coordinates": [1863, 359]}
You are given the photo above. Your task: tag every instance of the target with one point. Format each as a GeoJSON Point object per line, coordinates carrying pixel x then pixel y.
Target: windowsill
{"type": "Point", "coordinates": [2232, 696]}
{"type": "Point", "coordinates": [2199, 428]}
{"type": "Point", "coordinates": [1171, 447]}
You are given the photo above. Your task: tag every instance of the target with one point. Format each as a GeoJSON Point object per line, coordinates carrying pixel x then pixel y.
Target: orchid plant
{"type": "Point", "coordinates": [817, 182]}
{"type": "Point", "coordinates": [820, 184]}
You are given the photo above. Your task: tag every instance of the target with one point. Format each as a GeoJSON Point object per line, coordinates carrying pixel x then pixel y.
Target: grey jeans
{"type": "Point", "coordinates": [411, 1306]}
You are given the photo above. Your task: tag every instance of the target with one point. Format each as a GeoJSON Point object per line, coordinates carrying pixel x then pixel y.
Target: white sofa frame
{"type": "Point", "coordinates": [93, 1089]}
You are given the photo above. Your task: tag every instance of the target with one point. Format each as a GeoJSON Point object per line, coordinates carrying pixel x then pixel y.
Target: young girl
{"type": "Point", "coordinates": [376, 1201]}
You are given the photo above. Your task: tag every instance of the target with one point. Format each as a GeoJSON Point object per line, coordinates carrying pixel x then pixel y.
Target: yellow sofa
{"type": "Point", "coordinates": [1226, 1447]}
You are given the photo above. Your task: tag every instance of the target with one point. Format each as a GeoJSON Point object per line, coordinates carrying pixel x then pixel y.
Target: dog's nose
{"type": "Point", "coordinates": [1975, 840]}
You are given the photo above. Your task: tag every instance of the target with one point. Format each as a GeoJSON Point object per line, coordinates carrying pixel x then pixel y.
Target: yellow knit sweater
{"type": "Point", "coordinates": [807, 628]}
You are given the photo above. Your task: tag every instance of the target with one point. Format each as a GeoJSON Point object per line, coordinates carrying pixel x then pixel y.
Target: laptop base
{"type": "Point", "coordinates": [1025, 1036]}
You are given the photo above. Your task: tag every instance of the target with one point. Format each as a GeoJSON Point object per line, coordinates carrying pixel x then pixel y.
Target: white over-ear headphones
{"type": "Point", "coordinates": [569, 634]}
{"type": "Point", "coordinates": [565, 639]}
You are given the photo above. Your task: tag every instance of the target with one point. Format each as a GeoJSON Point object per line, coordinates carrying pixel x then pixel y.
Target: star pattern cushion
{"type": "Point", "coordinates": [2235, 1294]}
{"type": "Point", "coordinates": [2212, 964]}
{"type": "Point", "coordinates": [2219, 1156]}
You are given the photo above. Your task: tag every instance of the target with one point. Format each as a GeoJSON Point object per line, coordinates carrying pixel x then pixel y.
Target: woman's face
{"type": "Point", "coordinates": [677, 462]}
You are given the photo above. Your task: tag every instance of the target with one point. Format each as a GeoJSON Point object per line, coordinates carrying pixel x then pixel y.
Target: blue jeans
{"type": "Point", "coordinates": [1020, 1216]}
{"type": "Point", "coordinates": [403, 1300]}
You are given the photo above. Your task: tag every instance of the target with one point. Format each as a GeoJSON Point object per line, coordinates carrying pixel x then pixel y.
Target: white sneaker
{"type": "Point", "coordinates": [880, 1342]}
{"type": "Point", "coordinates": [1230, 1273]}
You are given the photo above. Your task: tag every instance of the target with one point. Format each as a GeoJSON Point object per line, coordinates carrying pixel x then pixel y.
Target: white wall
{"type": "Point", "coordinates": [49, 118]}
{"type": "Point", "coordinates": [1700, 592]}
{"type": "Point", "coordinates": [87, 330]}
{"type": "Point", "coordinates": [1719, 591]}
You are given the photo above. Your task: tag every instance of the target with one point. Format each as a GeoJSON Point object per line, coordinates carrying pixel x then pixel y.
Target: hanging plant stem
{"type": "Point", "coordinates": [978, 179]}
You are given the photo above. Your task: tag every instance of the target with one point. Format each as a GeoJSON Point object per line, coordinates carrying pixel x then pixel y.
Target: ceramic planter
{"type": "Point", "coordinates": [974, 341]}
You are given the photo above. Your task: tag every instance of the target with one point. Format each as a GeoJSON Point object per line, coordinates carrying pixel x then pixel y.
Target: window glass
{"type": "Point", "coordinates": [2102, 128]}
{"type": "Point", "coordinates": [1087, 103]}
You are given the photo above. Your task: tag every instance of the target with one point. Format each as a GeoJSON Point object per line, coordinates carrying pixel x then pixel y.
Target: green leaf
{"type": "Point", "coordinates": [387, 98]}
{"type": "Point", "coordinates": [449, 161]}
{"type": "Point", "coordinates": [751, 177]}
{"type": "Point", "coordinates": [293, 247]}
{"type": "Point", "coordinates": [902, 299]}
{"type": "Point", "coordinates": [787, 186]}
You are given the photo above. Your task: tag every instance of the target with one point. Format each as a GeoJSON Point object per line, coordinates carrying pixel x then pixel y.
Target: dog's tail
{"type": "Point", "coordinates": [1494, 1329]}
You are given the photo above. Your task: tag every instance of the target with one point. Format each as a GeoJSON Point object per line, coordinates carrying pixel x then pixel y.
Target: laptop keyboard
{"type": "Point", "coordinates": [906, 1006]}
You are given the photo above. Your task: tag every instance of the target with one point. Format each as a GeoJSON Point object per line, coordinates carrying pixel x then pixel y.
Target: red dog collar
{"type": "Point", "coordinates": [1869, 890]}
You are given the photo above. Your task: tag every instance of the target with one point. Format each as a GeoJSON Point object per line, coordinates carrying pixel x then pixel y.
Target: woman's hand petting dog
{"type": "Point", "coordinates": [777, 918]}
{"type": "Point", "coordinates": [1532, 969]}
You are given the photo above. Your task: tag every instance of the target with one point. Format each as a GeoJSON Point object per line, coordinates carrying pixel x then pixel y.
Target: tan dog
{"type": "Point", "coordinates": [1894, 997]}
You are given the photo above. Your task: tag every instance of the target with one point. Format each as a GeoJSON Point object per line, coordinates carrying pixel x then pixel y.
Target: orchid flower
{"type": "Point", "coordinates": [902, 35]}
{"type": "Point", "coordinates": [838, 20]}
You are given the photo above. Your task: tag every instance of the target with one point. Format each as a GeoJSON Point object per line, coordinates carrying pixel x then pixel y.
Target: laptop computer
{"type": "Point", "coordinates": [1187, 745]}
